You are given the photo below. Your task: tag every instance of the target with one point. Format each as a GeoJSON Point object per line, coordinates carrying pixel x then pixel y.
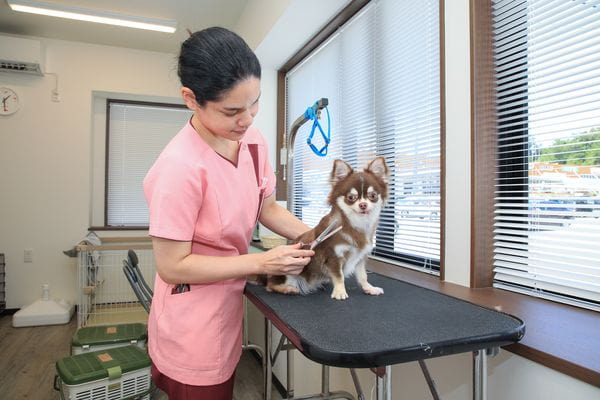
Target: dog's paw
{"type": "Point", "coordinates": [372, 290]}
{"type": "Point", "coordinates": [283, 288]}
{"type": "Point", "coordinates": [339, 294]}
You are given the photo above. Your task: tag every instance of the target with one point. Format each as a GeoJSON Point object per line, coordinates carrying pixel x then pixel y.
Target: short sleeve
{"type": "Point", "coordinates": [174, 193]}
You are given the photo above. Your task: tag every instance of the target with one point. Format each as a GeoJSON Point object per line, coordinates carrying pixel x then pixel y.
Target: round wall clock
{"type": "Point", "coordinates": [9, 101]}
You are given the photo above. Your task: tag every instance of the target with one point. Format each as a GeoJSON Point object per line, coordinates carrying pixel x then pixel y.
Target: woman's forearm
{"type": "Point", "coordinates": [175, 264]}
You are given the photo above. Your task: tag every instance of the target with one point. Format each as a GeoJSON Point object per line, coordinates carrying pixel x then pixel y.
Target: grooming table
{"type": "Point", "coordinates": [406, 323]}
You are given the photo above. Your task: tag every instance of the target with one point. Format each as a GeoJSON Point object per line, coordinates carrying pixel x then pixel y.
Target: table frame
{"type": "Point", "coordinates": [383, 384]}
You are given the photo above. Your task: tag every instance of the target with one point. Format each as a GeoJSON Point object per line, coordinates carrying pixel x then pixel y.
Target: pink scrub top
{"type": "Point", "coordinates": [196, 195]}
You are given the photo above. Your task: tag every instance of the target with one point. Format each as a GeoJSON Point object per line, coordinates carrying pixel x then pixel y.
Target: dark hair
{"type": "Point", "coordinates": [212, 61]}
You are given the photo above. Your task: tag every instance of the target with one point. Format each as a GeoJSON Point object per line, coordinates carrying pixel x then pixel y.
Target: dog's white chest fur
{"type": "Point", "coordinates": [353, 257]}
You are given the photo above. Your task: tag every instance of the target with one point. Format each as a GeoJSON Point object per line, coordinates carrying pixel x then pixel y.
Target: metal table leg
{"type": "Point", "coordinates": [384, 385]}
{"type": "Point", "coordinates": [325, 380]}
{"type": "Point", "coordinates": [290, 370]}
{"type": "Point", "coordinates": [429, 380]}
{"type": "Point", "coordinates": [246, 345]}
{"type": "Point", "coordinates": [480, 375]}
{"type": "Point", "coordinates": [359, 392]}
{"type": "Point", "coordinates": [267, 361]}
{"type": "Point", "coordinates": [325, 394]}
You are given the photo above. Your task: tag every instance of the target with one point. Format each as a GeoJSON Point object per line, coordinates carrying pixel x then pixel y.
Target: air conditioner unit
{"type": "Point", "coordinates": [21, 55]}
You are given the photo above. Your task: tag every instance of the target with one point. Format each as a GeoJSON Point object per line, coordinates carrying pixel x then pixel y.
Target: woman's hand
{"type": "Point", "coordinates": [285, 260]}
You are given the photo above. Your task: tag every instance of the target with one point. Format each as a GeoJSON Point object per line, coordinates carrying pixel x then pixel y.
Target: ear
{"type": "Point", "coordinates": [340, 171]}
{"type": "Point", "coordinates": [189, 98]}
{"type": "Point", "coordinates": [379, 168]}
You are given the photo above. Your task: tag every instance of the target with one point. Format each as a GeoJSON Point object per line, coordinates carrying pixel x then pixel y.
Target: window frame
{"type": "Point", "coordinates": [110, 101]}
{"type": "Point", "coordinates": [323, 35]}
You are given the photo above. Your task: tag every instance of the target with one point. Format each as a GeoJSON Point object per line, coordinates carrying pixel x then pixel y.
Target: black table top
{"type": "Point", "coordinates": [406, 323]}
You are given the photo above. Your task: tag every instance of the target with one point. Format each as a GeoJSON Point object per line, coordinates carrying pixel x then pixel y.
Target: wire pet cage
{"type": "Point", "coordinates": [105, 296]}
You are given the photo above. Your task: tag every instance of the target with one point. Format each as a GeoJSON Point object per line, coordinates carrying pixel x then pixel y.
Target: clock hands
{"type": "Point", "coordinates": [10, 101]}
{"type": "Point", "coordinates": [4, 102]}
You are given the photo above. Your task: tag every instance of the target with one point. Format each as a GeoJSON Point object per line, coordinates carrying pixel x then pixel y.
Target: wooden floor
{"type": "Point", "coordinates": [28, 355]}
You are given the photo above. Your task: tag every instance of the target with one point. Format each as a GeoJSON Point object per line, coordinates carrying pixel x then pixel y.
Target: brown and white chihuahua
{"type": "Point", "coordinates": [356, 201]}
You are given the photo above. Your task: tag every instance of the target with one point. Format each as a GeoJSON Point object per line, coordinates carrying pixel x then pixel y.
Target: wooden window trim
{"type": "Point", "coordinates": [483, 144]}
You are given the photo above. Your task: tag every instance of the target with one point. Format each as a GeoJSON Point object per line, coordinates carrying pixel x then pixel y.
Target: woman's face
{"type": "Point", "coordinates": [233, 114]}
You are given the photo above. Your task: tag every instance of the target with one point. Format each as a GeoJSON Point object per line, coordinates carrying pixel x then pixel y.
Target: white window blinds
{"type": "Point", "coordinates": [137, 133]}
{"type": "Point", "coordinates": [380, 72]}
{"type": "Point", "coordinates": [547, 223]}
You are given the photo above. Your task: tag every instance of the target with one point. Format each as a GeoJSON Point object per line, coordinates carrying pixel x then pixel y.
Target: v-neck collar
{"type": "Point", "coordinates": [241, 145]}
{"type": "Point", "coordinates": [239, 152]}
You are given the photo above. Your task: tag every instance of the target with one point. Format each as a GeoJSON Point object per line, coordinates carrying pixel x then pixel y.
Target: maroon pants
{"type": "Point", "coordinates": [180, 391]}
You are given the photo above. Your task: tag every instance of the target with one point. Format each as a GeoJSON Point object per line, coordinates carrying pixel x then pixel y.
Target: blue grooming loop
{"type": "Point", "coordinates": [312, 114]}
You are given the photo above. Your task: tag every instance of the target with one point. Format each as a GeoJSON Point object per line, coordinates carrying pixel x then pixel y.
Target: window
{"type": "Point", "coordinates": [547, 195]}
{"type": "Point", "coordinates": [136, 134]}
{"type": "Point", "coordinates": [381, 74]}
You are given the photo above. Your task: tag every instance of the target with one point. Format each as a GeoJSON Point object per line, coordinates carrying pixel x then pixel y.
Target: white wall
{"type": "Point", "coordinates": [458, 143]}
{"type": "Point", "coordinates": [265, 11]}
{"type": "Point", "coordinates": [266, 119]}
{"type": "Point", "coordinates": [45, 157]}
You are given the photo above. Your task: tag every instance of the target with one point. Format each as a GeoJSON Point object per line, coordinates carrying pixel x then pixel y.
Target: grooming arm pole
{"type": "Point", "coordinates": [288, 166]}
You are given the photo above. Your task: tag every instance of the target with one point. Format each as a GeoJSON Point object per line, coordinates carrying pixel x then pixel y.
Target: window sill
{"type": "Point", "coordinates": [118, 228]}
{"type": "Point", "coordinates": [558, 336]}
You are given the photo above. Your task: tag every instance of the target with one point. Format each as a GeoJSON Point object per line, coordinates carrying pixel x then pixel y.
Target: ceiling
{"type": "Point", "coordinates": [189, 14]}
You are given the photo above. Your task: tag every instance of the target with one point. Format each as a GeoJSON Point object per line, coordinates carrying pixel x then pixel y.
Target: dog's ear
{"type": "Point", "coordinates": [379, 168]}
{"type": "Point", "coordinates": [340, 171]}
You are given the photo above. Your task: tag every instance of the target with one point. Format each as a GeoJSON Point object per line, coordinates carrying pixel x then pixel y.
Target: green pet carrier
{"type": "Point", "coordinates": [116, 373]}
{"type": "Point", "coordinates": [95, 338]}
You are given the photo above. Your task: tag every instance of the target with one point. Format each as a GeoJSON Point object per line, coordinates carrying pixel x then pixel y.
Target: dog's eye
{"type": "Point", "coordinates": [351, 198]}
{"type": "Point", "coordinates": [372, 196]}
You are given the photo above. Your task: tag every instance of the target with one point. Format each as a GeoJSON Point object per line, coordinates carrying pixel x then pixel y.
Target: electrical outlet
{"type": "Point", "coordinates": [28, 255]}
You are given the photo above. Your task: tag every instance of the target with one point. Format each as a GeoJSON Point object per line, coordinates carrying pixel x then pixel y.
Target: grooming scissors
{"type": "Point", "coordinates": [331, 230]}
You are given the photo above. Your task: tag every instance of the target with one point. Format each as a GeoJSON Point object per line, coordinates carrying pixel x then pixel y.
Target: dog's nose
{"type": "Point", "coordinates": [362, 205]}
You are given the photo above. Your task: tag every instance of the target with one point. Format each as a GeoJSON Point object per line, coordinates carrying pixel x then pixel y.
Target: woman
{"type": "Point", "coordinates": [205, 193]}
